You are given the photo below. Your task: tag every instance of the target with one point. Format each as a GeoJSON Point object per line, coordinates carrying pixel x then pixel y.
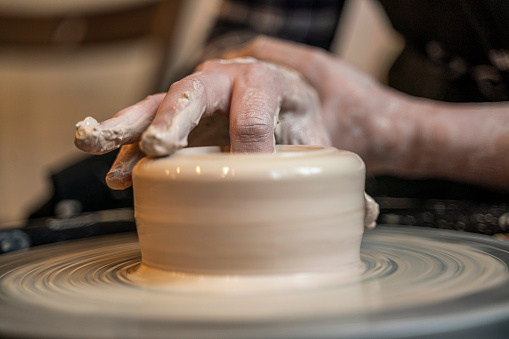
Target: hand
{"type": "Point", "coordinates": [265, 103]}
{"type": "Point", "coordinates": [395, 133]}
{"type": "Point", "coordinates": [361, 115]}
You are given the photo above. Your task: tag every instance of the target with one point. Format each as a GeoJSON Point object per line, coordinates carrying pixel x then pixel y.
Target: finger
{"type": "Point", "coordinates": [302, 122]}
{"type": "Point", "coordinates": [120, 175]}
{"type": "Point", "coordinates": [278, 51]}
{"type": "Point", "coordinates": [259, 96]}
{"type": "Point", "coordinates": [315, 64]}
{"type": "Point", "coordinates": [125, 127]}
{"type": "Point", "coordinates": [188, 100]}
{"type": "Point", "coordinates": [302, 130]}
{"type": "Point", "coordinates": [252, 119]}
{"type": "Point", "coordinates": [308, 60]}
{"type": "Point", "coordinates": [256, 91]}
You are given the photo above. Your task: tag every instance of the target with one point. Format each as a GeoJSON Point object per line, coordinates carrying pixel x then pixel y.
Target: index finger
{"type": "Point", "coordinates": [188, 100]}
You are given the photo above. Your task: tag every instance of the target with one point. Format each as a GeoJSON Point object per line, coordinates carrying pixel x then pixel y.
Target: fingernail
{"type": "Point", "coordinates": [117, 180]}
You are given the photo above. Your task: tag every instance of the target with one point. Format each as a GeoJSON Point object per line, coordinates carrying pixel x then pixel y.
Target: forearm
{"type": "Point", "coordinates": [462, 142]}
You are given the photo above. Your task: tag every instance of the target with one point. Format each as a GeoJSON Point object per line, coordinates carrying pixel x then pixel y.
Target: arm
{"type": "Point", "coordinates": [462, 142]}
{"type": "Point", "coordinates": [396, 133]}
{"type": "Point", "coordinates": [393, 133]}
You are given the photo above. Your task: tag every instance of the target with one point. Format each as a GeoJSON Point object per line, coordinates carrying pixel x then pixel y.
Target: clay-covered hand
{"type": "Point", "coordinates": [264, 103]}
{"type": "Point", "coordinates": [361, 115]}
{"type": "Point", "coordinates": [395, 133]}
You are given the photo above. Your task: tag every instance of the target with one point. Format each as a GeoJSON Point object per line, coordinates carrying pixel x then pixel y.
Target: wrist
{"type": "Point", "coordinates": [393, 134]}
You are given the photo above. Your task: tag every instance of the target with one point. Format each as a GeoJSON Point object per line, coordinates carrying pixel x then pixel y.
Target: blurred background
{"type": "Point", "coordinates": [61, 61]}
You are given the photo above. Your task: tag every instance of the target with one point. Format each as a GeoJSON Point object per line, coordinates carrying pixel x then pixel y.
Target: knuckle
{"type": "Point", "coordinates": [258, 43]}
{"type": "Point", "coordinates": [251, 127]}
{"type": "Point", "coordinates": [207, 65]}
{"type": "Point", "coordinates": [311, 60]}
{"type": "Point", "coordinates": [192, 82]}
{"type": "Point", "coordinates": [154, 98]}
{"type": "Point", "coordinates": [254, 73]}
{"type": "Point", "coordinates": [317, 57]}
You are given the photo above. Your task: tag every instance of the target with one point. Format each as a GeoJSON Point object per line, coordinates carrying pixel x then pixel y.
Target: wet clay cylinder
{"type": "Point", "coordinates": [298, 210]}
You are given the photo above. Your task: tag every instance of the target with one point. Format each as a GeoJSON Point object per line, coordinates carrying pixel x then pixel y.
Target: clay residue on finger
{"type": "Point", "coordinates": [93, 138]}
{"type": "Point", "coordinates": [87, 135]}
{"type": "Point", "coordinates": [159, 141]}
{"type": "Point", "coordinates": [239, 60]}
{"type": "Point", "coordinates": [124, 128]}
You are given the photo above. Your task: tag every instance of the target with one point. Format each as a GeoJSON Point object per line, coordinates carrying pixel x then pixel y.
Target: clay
{"type": "Point", "coordinates": [300, 210]}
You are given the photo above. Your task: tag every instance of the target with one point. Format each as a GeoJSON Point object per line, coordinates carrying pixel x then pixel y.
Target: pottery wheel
{"type": "Point", "coordinates": [417, 282]}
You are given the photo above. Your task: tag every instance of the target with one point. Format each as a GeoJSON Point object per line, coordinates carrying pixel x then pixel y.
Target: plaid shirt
{"type": "Point", "coordinates": [312, 22]}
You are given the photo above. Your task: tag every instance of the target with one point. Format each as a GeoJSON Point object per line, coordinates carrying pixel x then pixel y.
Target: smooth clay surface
{"type": "Point", "coordinates": [298, 211]}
